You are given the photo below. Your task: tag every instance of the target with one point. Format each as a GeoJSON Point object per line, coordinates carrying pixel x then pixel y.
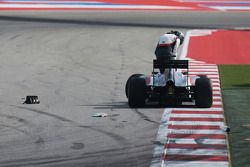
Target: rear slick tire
{"type": "Point", "coordinates": [129, 79]}
{"type": "Point", "coordinates": [203, 92]}
{"type": "Point", "coordinates": [137, 92]}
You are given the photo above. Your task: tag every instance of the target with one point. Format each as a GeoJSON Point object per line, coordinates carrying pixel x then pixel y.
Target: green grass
{"type": "Point", "coordinates": [235, 82]}
{"type": "Point", "coordinates": [235, 76]}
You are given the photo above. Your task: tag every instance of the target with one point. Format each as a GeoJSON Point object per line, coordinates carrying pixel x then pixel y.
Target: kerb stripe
{"type": "Point", "coordinates": [195, 158]}
{"type": "Point", "coordinates": [195, 112]}
{"type": "Point", "coordinates": [194, 127]}
{"type": "Point", "coordinates": [196, 146]}
{"type": "Point", "coordinates": [197, 136]}
{"type": "Point", "coordinates": [196, 119]}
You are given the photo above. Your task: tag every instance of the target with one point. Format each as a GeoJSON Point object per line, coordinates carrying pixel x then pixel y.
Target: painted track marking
{"type": "Point", "coordinates": [194, 136]}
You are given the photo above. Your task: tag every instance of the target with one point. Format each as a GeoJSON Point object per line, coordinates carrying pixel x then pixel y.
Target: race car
{"type": "Point", "coordinates": [173, 87]}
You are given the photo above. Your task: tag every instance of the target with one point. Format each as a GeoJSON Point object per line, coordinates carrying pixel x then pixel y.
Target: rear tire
{"type": "Point", "coordinates": [137, 92]}
{"type": "Point", "coordinates": [129, 79]}
{"type": "Point", "coordinates": [203, 92]}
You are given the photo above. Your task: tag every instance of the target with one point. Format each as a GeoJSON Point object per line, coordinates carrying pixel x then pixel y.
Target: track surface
{"type": "Point", "coordinates": [78, 63]}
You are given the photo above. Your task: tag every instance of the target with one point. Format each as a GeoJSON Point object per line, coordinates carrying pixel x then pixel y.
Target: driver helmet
{"type": "Point", "coordinates": [179, 34]}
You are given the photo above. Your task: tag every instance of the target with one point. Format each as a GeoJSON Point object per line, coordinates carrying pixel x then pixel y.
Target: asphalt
{"type": "Point", "coordinates": [77, 63]}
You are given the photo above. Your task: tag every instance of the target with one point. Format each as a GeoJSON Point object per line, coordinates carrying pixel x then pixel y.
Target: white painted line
{"type": "Point", "coordinates": [181, 111]}
{"type": "Point", "coordinates": [161, 139]}
{"type": "Point", "coordinates": [226, 8]}
{"type": "Point", "coordinates": [216, 84]}
{"type": "Point", "coordinates": [200, 109]}
{"type": "Point", "coordinates": [197, 115]}
{"type": "Point", "coordinates": [197, 141]}
{"type": "Point", "coordinates": [209, 76]}
{"type": "Point", "coordinates": [217, 103]}
{"type": "Point", "coordinates": [173, 151]}
{"type": "Point", "coordinates": [196, 123]}
{"type": "Point", "coordinates": [185, 46]}
{"type": "Point", "coordinates": [213, 75]}
{"type": "Point", "coordinates": [158, 153]}
{"type": "Point", "coordinates": [204, 32]}
{"type": "Point", "coordinates": [184, 131]}
{"type": "Point", "coordinates": [203, 67]}
{"type": "Point", "coordinates": [155, 162]}
{"type": "Point", "coordinates": [215, 80]}
{"type": "Point", "coordinates": [216, 88]}
{"type": "Point", "coordinates": [197, 63]}
{"type": "Point", "coordinates": [217, 97]}
{"type": "Point", "coordinates": [195, 164]}
{"type": "Point", "coordinates": [216, 93]}
{"type": "Point", "coordinates": [159, 150]}
{"type": "Point", "coordinates": [192, 61]}
{"type": "Point", "coordinates": [203, 73]}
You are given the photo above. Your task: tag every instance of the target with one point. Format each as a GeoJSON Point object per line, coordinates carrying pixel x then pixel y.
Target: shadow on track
{"type": "Point", "coordinates": [124, 105]}
{"type": "Point", "coordinates": [247, 85]}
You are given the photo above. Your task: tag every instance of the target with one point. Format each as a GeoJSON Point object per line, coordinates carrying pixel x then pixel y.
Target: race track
{"type": "Point", "coordinates": [77, 63]}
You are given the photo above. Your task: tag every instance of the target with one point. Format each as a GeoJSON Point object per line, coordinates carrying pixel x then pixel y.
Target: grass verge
{"type": "Point", "coordinates": [235, 76]}
{"type": "Point", "coordinates": [235, 82]}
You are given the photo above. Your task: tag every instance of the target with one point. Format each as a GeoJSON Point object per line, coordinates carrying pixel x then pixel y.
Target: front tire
{"type": "Point", "coordinates": [203, 92]}
{"type": "Point", "coordinates": [137, 92]}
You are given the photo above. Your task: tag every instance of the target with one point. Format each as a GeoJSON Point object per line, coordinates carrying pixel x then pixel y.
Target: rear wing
{"type": "Point", "coordinates": [170, 64]}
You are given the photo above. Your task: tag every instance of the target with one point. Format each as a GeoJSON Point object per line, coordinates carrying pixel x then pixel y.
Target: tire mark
{"type": "Point", "coordinates": [39, 139]}
{"type": "Point", "coordinates": [16, 129]}
{"type": "Point", "coordinates": [58, 93]}
{"type": "Point", "coordinates": [19, 119]}
{"type": "Point", "coordinates": [118, 138]}
{"type": "Point", "coordinates": [118, 82]}
{"type": "Point", "coordinates": [143, 116]}
{"type": "Point", "coordinates": [118, 153]}
{"type": "Point", "coordinates": [15, 36]}
{"type": "Point", "coordinates": [77, 146]}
